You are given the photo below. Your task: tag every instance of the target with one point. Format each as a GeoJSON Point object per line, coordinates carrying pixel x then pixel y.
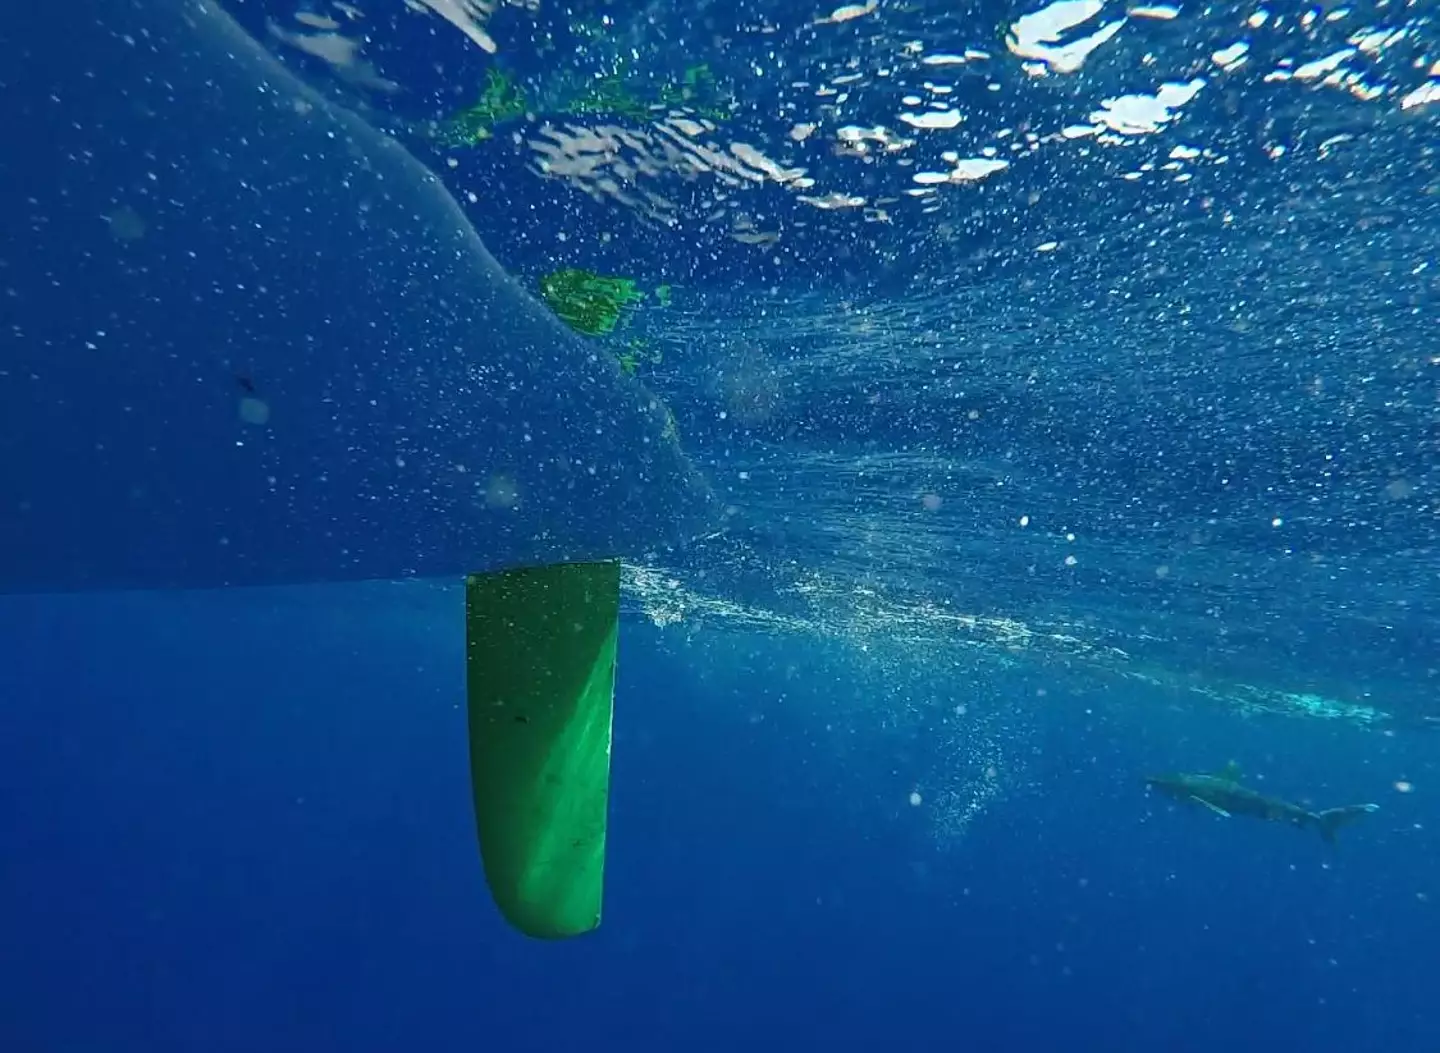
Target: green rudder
{"type": "Point", "coordinates": [540, 681]}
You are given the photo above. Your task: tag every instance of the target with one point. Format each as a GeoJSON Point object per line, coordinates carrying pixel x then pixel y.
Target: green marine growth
{"type": "Point", "coordinates": [637, 351]}
{"type": "Point", "coordinates": [501, 101]}
{"type": "Point", "coordinates": [617, 94]}
{"type": "Point", "coordinates": [587, 302]}
{"type": "Point", "coordinates": [595, 304]}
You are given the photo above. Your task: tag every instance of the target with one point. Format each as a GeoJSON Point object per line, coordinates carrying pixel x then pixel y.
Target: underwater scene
{"type": "Point", "coordinates": [537, 526]}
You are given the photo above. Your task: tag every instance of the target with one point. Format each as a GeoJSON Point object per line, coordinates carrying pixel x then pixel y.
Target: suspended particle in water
{"type": "Point", "coordinates": [931, 502]}
{"type": "Point", "coordinates": [915, 799]}
{"type": "Point", "coordinates": [1404, 786]}
{"type": "Point", "coordinates": [501, 492]}
{"type": "Point", "coordinates": [126, 224]}
{"type": "Point", "coordinates": [254, 411]}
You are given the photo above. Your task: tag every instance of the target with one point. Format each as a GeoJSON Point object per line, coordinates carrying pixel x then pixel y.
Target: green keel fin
{"type": "Point", "coordinates": [540, 683]}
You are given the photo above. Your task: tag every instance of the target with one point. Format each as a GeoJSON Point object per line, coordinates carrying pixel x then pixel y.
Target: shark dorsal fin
{"type": "Point", "coordinates": [1231, 771]}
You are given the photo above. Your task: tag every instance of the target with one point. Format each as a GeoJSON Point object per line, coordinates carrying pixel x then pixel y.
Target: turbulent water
{"type": "Point", "coordinates": [1082, 333]}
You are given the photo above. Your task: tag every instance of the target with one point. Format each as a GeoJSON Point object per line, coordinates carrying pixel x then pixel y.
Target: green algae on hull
{"type": "Point", "coordinates": [587, 302]}
{"type": "Point", "coordinates": [502, 100]}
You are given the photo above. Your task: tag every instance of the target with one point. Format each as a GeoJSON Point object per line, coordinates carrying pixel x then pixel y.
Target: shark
{"type": "Point", "coordinates": [1224, 794]}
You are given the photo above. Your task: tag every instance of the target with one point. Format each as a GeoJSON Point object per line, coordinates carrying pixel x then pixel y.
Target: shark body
{"type": "Point", "coordinates": [1225, 795]}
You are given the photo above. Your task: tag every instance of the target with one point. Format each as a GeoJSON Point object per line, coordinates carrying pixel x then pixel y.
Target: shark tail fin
{"type": "Point", "coordinates": [1332, 819]}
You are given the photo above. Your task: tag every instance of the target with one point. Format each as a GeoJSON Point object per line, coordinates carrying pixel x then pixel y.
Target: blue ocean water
{"type": "Point", "coordinates": [243, 821]}
{"type": "Point", "coordinates": [986, 453]}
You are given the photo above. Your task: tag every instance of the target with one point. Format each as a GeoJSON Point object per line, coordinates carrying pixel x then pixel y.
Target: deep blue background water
{"type": "Point", "coordinates": [240, 821]}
